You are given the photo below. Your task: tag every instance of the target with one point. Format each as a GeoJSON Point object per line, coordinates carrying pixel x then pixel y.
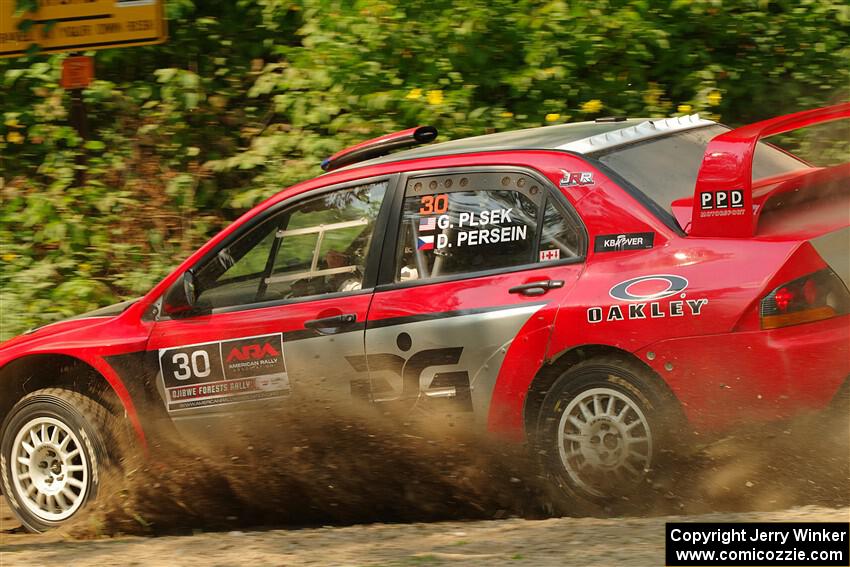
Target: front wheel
{"type": "Point", "coordinates": [603, 426]}
{"type": "Point", "coordinates": [52, 454]}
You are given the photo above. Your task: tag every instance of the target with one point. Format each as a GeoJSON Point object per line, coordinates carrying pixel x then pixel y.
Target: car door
{"type": "Point", "coordinates": [469, 290]}
{"type": "Point", "coordinates": [286, 300]}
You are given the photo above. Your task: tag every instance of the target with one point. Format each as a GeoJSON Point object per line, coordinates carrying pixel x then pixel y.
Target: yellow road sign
{"type": "Point", "coordinates": [80, 25]}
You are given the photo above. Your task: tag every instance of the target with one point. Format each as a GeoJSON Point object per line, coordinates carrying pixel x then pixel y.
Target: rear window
{"type": "Point", "coordinates": [665, 169]}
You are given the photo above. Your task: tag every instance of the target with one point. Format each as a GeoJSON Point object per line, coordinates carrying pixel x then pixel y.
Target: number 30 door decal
{"type": "Point", "coordinates": [236, 370]}
{"type": "Point", "coordinates": [200, 365]}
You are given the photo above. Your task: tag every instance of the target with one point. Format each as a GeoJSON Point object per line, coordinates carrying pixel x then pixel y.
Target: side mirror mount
{"type": "Point", "coordinates": [181, 299]}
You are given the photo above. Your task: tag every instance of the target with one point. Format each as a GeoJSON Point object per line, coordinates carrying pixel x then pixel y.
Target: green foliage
{"type": "Point", "coordinates": [247, 97]}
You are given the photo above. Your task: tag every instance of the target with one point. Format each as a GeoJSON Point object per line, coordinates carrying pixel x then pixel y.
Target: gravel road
{"type": "Point", "coordinates": [559, 541]}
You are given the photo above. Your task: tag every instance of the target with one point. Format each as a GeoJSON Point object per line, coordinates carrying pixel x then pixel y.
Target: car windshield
{"type": "Point", "coordinates": [665, 169]}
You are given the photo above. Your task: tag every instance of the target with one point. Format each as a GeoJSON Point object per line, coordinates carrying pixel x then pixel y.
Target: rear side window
{"type": "Point", "coordinates": [560, 237]}
{"type": "Point", "coordinates": [472, 222]}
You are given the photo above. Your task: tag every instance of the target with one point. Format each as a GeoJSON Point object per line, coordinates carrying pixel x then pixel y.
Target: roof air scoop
{"type": "Point", "coordinates": [380, 146]}
{"type": "Point", "coordinates": [635, 133]}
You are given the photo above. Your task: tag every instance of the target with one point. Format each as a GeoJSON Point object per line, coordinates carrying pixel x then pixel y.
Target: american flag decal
{"type": "Point", "coordinates": [428, 224]}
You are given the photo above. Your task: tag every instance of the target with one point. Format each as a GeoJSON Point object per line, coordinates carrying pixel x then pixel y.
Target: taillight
{"type": "Point", "coordinates": [814, 297]}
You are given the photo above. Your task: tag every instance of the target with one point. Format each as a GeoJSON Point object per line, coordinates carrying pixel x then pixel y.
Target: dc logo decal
{"type": "Point", "coordinates": [410, 370]}
{"type": "Point", "coordinates": [622, 290]}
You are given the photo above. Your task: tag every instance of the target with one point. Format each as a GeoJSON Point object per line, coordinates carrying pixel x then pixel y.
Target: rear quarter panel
{"type": "Point", "coordinates": [703, 341]}
{"type": "Point", "coordinates": [724, 277]}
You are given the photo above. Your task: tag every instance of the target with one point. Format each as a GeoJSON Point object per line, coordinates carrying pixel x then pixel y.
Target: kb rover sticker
{"type": "Point", "coordinates": [619, 242]}
{"type": "Point", "coordinates": [644, 294]}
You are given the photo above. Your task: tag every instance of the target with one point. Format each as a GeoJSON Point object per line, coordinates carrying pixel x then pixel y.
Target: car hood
{"type": "Point", "coordinates": [71, 323]}
{"type": "Point", "coordinates": [108, 311]}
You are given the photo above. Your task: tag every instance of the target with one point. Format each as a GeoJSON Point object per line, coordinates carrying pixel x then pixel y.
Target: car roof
{"type": "Point", "coordinates": [579, 137]}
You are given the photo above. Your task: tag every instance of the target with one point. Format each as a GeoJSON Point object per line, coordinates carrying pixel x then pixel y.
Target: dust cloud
{"type": "Point", "coordinates": [317, 466]}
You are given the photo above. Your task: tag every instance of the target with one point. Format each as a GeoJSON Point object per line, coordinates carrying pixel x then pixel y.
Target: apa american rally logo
{"type": "Point", "coordinates": [644, 295]}
{"type": "Point", "coordinates": [253, 356]}
{"type": "Point", "coordinates": [251, 352]}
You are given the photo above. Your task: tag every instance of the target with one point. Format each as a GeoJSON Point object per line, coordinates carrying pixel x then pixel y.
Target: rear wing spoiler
{"type": "Point", "coordinates": [723, 198]}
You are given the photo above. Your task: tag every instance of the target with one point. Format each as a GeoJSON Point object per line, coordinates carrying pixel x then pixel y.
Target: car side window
{"type": "Point", "coordinates": [317, 246]}
{"type": "Point", "coordinates": [468, 222]}
{"type": "Point", "coordinates": [560, 237]}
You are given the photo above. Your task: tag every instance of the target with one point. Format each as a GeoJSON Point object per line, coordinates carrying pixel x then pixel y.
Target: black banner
{"type": "Point", "coordinates": [235, 370]}
{"type": "Point", "coordinates": [815, 544]}
{"type": "Point", "coordinates": [625, 241]}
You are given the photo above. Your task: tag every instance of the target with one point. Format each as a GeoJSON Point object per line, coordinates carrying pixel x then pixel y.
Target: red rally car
{"type": "Point", "coordinates": [590, 289]}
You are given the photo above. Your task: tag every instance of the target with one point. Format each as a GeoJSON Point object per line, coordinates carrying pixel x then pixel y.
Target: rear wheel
{"type": "Point", "coordinates": [604, 425]}
{"type": "Point", "coordinates": [53, 454]}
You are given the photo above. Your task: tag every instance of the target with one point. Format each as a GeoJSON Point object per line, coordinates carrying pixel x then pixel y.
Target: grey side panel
{"type": "Point", "coordinates": [428, 359]}
{"type": "Point", "coordinates": [318, 367]}
{"type": "Point", "coordinates": [834, 248]}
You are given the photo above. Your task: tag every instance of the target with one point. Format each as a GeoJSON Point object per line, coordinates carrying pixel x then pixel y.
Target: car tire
{"type": "Point", "coordinates": [53, 456]}
{"type": "Point", "coordinates": [604, 426]}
